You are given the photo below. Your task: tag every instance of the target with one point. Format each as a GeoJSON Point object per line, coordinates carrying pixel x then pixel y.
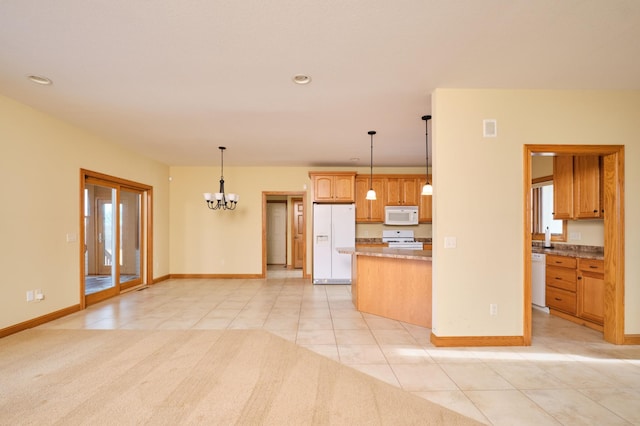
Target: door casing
{"type": "Point", "coordinates": [613, 203]}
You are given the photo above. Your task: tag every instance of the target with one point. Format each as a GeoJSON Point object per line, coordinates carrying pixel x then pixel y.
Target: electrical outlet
{"type": "Point", "coordinates": [450, 242]}
{"type": "Point", "coordinates": [29, 295]}
{"type": "Point", "coordinates": [39, 294]}
{"type": "Point", "coordinates": [576, 236]}
{"type": "Point", "coordinates": [493, 309]}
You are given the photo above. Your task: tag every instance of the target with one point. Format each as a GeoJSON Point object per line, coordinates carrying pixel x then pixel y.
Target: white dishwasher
{"type": "Point", "coordinates": [538, 265]}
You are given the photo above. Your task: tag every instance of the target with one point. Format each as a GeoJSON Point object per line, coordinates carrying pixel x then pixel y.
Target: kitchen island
{"type": "Point", "coordinates": [392, 283]}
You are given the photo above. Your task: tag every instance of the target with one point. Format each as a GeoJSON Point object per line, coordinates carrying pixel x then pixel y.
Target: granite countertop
{"type": "Point", "coordinates": [585, 252]}
{"type": "Point", "coordinates": [389, 252]}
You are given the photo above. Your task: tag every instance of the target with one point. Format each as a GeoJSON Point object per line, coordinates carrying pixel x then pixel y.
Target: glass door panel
{"type": "Point", "coordinates": [130, 230]}
{"type": "Point", "coordinates": [100, 244]}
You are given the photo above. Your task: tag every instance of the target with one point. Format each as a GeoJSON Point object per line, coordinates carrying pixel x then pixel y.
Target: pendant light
{"type": "Point", "coordinates": [220, 200]}
{"type": "Point", "coordinates": [427, 189]}
{"type": "Point", "coordinates": [371, 194]}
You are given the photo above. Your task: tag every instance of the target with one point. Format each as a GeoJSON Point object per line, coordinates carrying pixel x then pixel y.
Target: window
{"type": "Point", "coordinates": [542, 207]}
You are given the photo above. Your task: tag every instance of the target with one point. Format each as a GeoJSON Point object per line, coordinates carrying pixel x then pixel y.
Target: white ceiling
{"type": "Point", "coordinates": [174, 79]}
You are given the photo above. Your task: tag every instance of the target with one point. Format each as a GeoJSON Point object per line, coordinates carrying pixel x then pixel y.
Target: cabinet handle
{"type": "Point", "coordinates": [595, 211]}
{"type": "Point", "coordinates": [580, 278]}
{"type": "Point", "coordinates": [558, 299]}
{"type": "Point", "coordinates": [593, 267]}
{"type": "Point", "coordinates": [558, 278]}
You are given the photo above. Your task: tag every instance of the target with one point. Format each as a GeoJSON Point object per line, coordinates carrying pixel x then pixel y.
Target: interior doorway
{"type": "Point", "coordinates": [115, 220]}
{"type": "Point", "coordinates": [613, 204]}
{"type": "Point", "coordinates": [284, 224]}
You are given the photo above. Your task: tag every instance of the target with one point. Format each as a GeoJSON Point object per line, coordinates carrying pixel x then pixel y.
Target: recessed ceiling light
{"type": "Point", "coordinates": [40, 80]}
{"type": "Point", "coordinates": [301, 79]}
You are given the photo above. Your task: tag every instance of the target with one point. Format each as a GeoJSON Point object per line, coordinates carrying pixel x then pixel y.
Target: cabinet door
{"type": "Point", "coordinates": [586, 186]}
{"type": "Point", "coordinates": [591, 297]}
{"type": "Point", "coordinates": [323, 188]}
{"type": "Point", "coordinates": [376, 208]}
{"type": "Point", "coordinates": [563, 187]}
{"type": "Point", "coordinates": [362, 204]}
{"type": "Point", "coordinates": [370, 210]}
{"type": "Point", "coordinates": [343, 188]}
{"type": "Point", "coordinates": [410, 192]}
{"type": "Point", "coordinates": [393, 192]}
{"type": "Point", "coordinates": [425, 206]}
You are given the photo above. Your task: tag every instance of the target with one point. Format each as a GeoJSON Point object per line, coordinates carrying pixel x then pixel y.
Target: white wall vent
{"type": "Point", "coordinates": [489, 128]}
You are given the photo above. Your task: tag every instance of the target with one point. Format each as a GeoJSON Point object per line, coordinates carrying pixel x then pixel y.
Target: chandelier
{"type": "Point", "coordinates": [220, 200]}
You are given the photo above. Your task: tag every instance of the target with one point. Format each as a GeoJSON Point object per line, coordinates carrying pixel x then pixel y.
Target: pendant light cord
{"type": "Point", "coordinates": [371, 132]}
{"type": "Point", "coordinates": [426, 119]}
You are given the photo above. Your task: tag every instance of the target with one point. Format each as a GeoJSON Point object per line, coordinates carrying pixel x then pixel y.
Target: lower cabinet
{"type": "Point", "coordinates": [575, 289]}
{"type": "Point", "coordinates": [591, 290]}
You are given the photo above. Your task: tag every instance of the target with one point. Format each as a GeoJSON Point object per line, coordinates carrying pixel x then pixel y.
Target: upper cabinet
{"type": "Point", "coordinates": [424, 206]}
{"type": "Point", "coordinates": [333, 187]}
{"type": "Point", "coordinates": [586, 187]}
{"type": "Point", "coordinates": [402, 191]}
{"type": "Point", "coordinates": [370, 211]}
{"type": "Point", "coordinates": [576, 187]}
{"type": "Point", "coordinates": [391, 190]}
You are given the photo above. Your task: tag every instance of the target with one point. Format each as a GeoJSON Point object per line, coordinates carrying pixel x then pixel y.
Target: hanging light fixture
{"type": "Point", "coordinates": [427, 189]}
{"type": "Point", "coordinates": [220, 200]}
{"type": "Point", "coordinates": [371, 194]}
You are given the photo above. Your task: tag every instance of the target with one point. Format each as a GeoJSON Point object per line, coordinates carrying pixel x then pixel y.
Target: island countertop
{"type": "Point", "coordinates": [424, 255]}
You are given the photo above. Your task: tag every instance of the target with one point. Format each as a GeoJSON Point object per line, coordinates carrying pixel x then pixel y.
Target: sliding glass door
{"type": "Point", "coordinates": [113, 225]}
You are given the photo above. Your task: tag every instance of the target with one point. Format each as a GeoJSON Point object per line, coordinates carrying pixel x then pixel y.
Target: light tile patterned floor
{"type": "Point", "coordinates": [568, 376]}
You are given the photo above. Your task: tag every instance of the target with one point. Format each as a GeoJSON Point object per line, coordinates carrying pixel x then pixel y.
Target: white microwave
{"type": "Point", "coordinates": [401, 215]}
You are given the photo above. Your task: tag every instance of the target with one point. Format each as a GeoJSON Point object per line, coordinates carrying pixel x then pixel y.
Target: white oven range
{"type": "Point", "coordinates": [401, 240]}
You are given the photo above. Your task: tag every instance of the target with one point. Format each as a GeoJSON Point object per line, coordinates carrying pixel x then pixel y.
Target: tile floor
{"type": "Point", "coordinates": [568, 376]}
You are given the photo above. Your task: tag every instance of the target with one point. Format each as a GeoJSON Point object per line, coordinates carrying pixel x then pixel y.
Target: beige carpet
{"type": "Point", "coordinates": [218, 377]}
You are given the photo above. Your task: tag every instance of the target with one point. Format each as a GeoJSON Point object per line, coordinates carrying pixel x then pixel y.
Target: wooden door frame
{"type": "Point", "coordinates": [297, 194]}
{"type": "Point", "coordinates": [146, 267]}
{"type": "Point", "coordinates": [613, 203]}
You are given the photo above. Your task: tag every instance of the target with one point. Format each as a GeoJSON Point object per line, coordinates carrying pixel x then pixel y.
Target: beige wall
{"type": "Point", "coordinates": [40, 162]}
{"type": "Point", "coordinates": [478, 195]}
{"type": "Point", "coordinates": [230, 242]}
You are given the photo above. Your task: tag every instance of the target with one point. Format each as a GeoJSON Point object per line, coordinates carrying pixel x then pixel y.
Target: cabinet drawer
{"type": "Point", "coordinates": [563, 278]}
{"type": "Point", "coordinates": [561, 300]}
{"type": "Point", "coordinates": [564, 261]}
{"type": "Point", "coordinates": [591, 265]}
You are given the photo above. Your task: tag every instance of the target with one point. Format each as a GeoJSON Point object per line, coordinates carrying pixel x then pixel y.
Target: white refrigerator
{"type": "Point", "coordinates": [334, 226]}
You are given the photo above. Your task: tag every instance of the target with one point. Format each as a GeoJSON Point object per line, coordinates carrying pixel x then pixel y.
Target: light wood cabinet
{"type": "Point", "coordinates": [370, 211]}
{"type": "Point", "coordinates": [576, 187]}
{"type": "Point", "coordinates": [591, 290]}
{"type": "Point", "coordinates": [425, 206]}
{"type": "Point", "coordinates": [402, 191]}
{"type": "Point", "coordinates": [586, 187]}
{"type": "Point", "coordinates": [563, 187]}
{"type": "Point", "coordinates": [561, 283]}
{"type": "Point", "coordinates": [333, 187]}
{"type": "Point", "coordinates": [575, 289]}
{"type": "Point", "coordinates": [391, 190]}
